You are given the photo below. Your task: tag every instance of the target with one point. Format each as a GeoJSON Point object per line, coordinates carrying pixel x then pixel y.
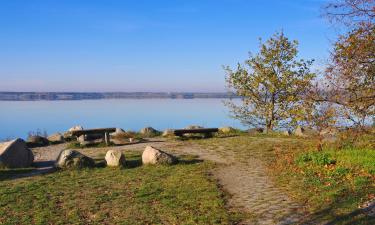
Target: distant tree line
{"type": "Point", "coordinates": [35, 96]}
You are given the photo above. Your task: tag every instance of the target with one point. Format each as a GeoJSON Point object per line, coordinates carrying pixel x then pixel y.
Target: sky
{"type": "Point", "coordinates": [145, 45]}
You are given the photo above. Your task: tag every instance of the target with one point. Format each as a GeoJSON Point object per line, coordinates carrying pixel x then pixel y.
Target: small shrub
{"type": "Point", "coordinates": [360, 182]}
{"type": "Point", "coordinates": [317, 158]}
{"type": "Point", "coordinates": [339, 172]}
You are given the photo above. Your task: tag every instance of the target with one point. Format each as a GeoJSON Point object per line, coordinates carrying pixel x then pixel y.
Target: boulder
{"type": "Point", "coordinates": [37, 141]}
{"type": "Point", "coordinates": [15, 154]}
{"type": "Point", "coordinates": [73, 159]}
{"type": "Point", "coordinates": [56, 137]}
{"type": "Point", "coordinates": [115, 158]}
{"type": "Point", "coordinates": [149, 131]}
{"type": "Point", "coordinates": [226, 130]}
{"type": "Point", "coordinates": [168, 133]}
{"type": "Point", "coordinates": [152, 155]}
{"type": "Point", "coordinates": [78, 127]}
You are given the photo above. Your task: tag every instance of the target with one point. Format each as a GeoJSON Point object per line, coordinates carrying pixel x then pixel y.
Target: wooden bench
{"type": "Point", "coordinates": [205, 131]}
{"type": "Point", "coordinates": [104, 132]}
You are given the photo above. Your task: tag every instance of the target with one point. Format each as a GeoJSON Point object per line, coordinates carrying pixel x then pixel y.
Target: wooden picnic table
{"type": "Point", "coordinates": [205, 131]}
{"type": "Point", "coordinates": [101, 131]}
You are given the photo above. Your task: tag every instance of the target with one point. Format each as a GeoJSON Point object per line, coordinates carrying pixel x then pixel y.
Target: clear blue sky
{"type": "Point", "coordinates": [144, 45]}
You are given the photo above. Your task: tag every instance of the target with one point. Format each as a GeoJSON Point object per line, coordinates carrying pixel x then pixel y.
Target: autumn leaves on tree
{"type": "Point", "coordinates": [272, 84]}
{"type": "Point", "coordinates": [279, 90]}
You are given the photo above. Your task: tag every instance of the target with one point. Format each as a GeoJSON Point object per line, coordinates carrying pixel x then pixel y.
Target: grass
{"type": "Point", "coordinates": [332, 183]}
{"type": "Point", "coordinates": [180, 194]}
{"type": "Point", "coordinates": [77, 145]}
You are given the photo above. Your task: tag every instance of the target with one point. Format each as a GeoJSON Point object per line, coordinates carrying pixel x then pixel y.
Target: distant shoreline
{"type": "Point", "coordinates": [61, 96]}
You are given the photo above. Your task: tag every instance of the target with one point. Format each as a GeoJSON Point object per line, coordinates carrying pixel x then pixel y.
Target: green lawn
{"type": "Point", "coordinates": [180, 194]}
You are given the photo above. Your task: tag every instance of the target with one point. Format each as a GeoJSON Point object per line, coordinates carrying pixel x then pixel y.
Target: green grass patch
{"type": "Point", "coordinates": [179, 194]}
{"type": "Point", "coordinates": [334, 183]}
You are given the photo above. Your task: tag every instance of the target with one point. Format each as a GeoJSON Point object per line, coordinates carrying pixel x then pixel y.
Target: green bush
{"type": "Point", "coordinates": [317, 158]}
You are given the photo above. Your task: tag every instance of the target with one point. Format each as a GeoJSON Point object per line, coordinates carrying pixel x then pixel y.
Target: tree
{"type": "Point", "coordinates": [350, 12]}
{"type": "Point", "coordinates": [351, 72]}
{"type": "Point", "coordinates": [272, 84]}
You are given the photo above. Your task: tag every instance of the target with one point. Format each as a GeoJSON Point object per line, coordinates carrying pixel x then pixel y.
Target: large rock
{"type": "Point", "coordinates": [152, 155]}
{"type": "Point", "coordinates": [15, 154]}
{"type": "Point", "coordinates": [73, 159]}
{"type": "Point", "coordinates": [226, 130]}
{"type": "Point", "coordinates": [56, 137]}
{"type": "Point", "coordinates": [149, 132]}
{"type": "Point", "coordinates": [168, 133]}
{"type": "Point", "coordinates": [37, 141]}
{"type": "Point", "coordinates": [115, 158]}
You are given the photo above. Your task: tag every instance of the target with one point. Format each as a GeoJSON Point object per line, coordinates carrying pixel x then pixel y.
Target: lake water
{"type": "Point", "coordinates": [18, 118]}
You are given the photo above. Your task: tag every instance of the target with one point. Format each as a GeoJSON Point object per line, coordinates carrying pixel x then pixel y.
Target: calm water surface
{"type": "Point", "coordinates": [20, 117]}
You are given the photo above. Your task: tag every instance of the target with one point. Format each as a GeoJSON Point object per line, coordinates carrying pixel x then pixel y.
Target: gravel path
{"type": "Point", "coordinates": [247, 183]}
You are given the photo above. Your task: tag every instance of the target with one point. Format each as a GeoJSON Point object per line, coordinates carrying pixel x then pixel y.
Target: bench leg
{"type": "Point", "coordinates": [106, 138]}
